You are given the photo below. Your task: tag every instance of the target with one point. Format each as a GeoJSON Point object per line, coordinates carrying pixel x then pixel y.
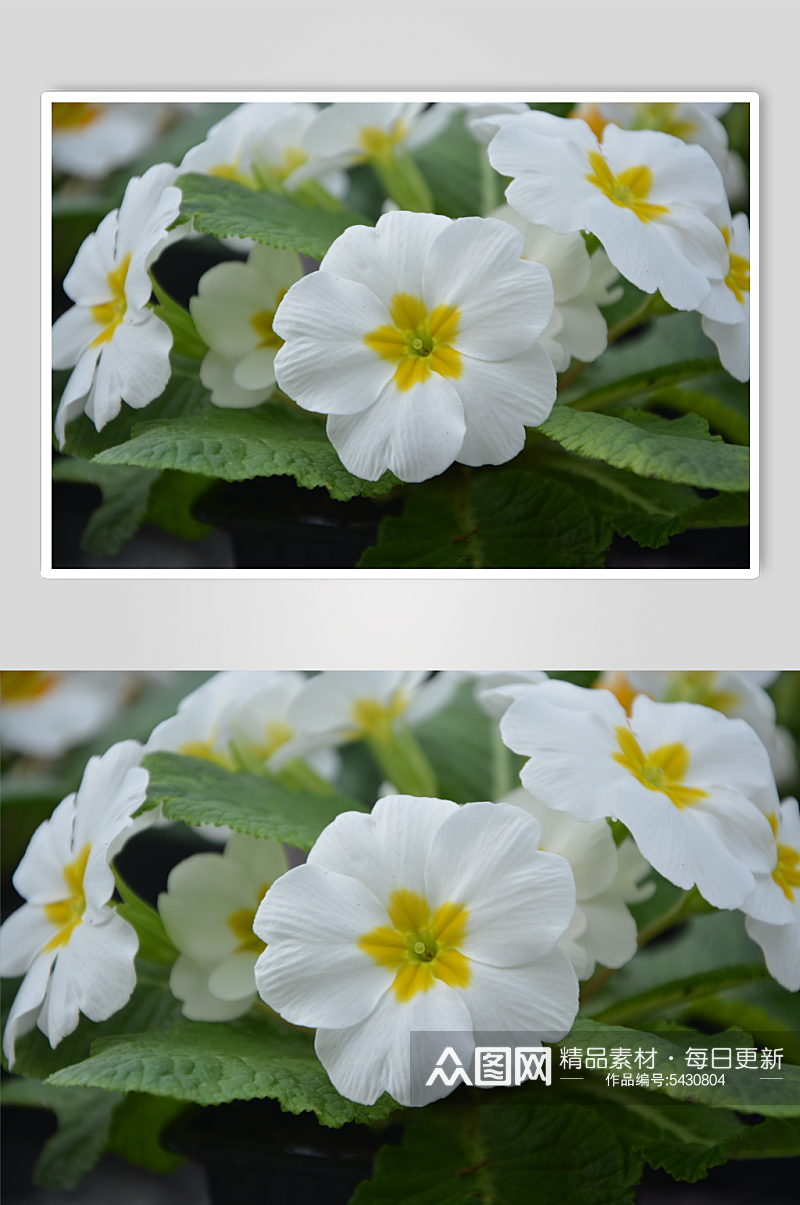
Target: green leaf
{"type": "Point", "coordinates": [84, 1118]}
{"type": "Point", "coordinates": [184, 394]}
{"type": "Point", "coordinates": [774, 1138]}
{"type": "Point", "coordinates": [680, 991]}
{"type": "Point", "coordinates": [210, 1063]}
{"type": "Point", "coordinates": [224, 208]}
{"type": "Point", "coordinates": [732, 426]}
{"type": "Point", "coordinates": [608, 396]}
{"type": "Point", "coordinates": [497, 521]}
{"type": "Point", "coordinates": [136, 1127]}
{"type": "Point", "coordinates": [512, 1149]}
{"type": "Point", "coordinates": [186, 340]}
{"type": "Point", "coordinates": [726, 510]}
{"type": "Point", "coordinates": [272, 439]}
{"type": "Point", "coordinates": [678, 450]}
{"type": "Point", "coordinates": [682, 1138]}
{"type": "Point", "coordinates": [451, 164]}
{"type": "Point", "coordinates": [154, 944]}
{"type": "Point", "coordinates": [199, 792]}
{"type": "Point", "coordinates": [172, 497]}
{"type": "Point", "coordinates": [458, 742]}
{"type": "Point", "coordinates": [126, 492]}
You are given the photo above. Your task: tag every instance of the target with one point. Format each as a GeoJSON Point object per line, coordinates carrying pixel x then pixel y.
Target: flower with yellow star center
{"type": "Point", "coordinates": [773, 910]}
{"type": "Point", "coordinates": [684, 779]}
{"type": "Point", "coordinates": [726, 310]}
{"type": "Point", "coordinates": [420, 916]}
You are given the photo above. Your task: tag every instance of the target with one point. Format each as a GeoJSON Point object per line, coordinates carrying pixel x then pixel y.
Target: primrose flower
{"type": "Point", "coordinates": [346, 133]}
{"type": "Point", "coordinates": [233, 313]}
{"type": "Point", "coordinates": [75, 952]}
{"type": "Point", "coordinates": [421, 916]}
{"type": "Point", "coordinates": [44, 713]}
{"type": "Point", "coordinates": [602, 929]}
{"type": "Point", "coordinates": [208, 910]}
{"type": "Point", "coordinates": [681, 777]}
{"type": "Point", "coordinates": [577, 327]}
{"type": "Point", "coordinates": [738, 695]}
{"type": "Point", "coordinates": [91, 139]}
{"type": "Point", "coordinates": [118, 348]}
{"type": "Point", "coordinates": [347, 704]}
{"type": "Point", "coordinates": [418, 339]}
{"type": "Point", "coordinates": [726, 310]}
{"type": "Point", "coordinates": [691, 122]}
{"type": "Point", "coordinates": [262, 145]}
{"type": "Point", "coordinates": [241, 716]}
{"type": "Point", "coordinates": [773, 910]}
{"type": "Point", "coordinates": [480, 119]}
{"type": "Point", "coordinates": [643, 193]}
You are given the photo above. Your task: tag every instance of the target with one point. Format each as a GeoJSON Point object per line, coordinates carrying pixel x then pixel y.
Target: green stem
{"type": "Point", "coordinates": [491, 195]}
{"type": "Point", "coordinates": [298, 774]}
{"type": "Point", "coordinates": [403, 181]}
{"type": "Point", "coordinates": [504, 774]}
{"type": "Point", "coordinates": [402, 760]}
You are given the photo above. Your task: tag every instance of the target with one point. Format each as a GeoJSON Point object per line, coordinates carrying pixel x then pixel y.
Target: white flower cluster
{"type": "Point", "coordinates": [423, 914]}
{"type": "Point", "coordinates": [425, 340]}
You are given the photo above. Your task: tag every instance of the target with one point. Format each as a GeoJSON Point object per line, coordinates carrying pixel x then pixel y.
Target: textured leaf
{"type": "Point", "coordinates": [126, 492]}
{"type": "Point", "coordinates": [680, 991]}
{"type": "Point", "coordinates": [238, 444]}
{"type": "Point", "coordinates": [183, 395]}
{"type": "Point", "coordinates": [458, 742]}
{"type": "Point", "coordinates": [135, 1129]}
{"type": "Point", "coordinates": [84, 1117]}
{"type": "Point", "coordinates": [199, 792]}
{"type": "Point", "coordinates": [172, 497]}
{"type": "Point", "coordinates": [513, 1149]}
{"type": "Point", "coordinates": [774, 1138]}
{"type": "Point", "coordinates": [211, 1063]}
{"type": "Point", "coordinates": [495, 521]}
{"type": "Point", "coordinates": [224, 208]}
{"type": "Point", "coordinates": [451, 164]}
{"type": "Point", "coordinates": [609, 396]}
{"type": "Point", "coordinates": [680, 450]}
{"type": "Point", "coordinates": [733, 426]}
{"type": "Point", "coordinates": [726, 510]}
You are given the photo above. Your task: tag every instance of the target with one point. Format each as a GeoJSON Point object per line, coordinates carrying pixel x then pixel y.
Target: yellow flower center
{"type": "Point", "coordinates": [20, 686]}
{"type": "Point", "coordinates": [262, 325]}
{"type": "Point", "coordinates": [70, 115]}
{"type": "Point", "coordinates": [241, 922]}
{"type": "Point", "coordinates": [204, 750]}
{"type": "Point", "coordinates": [663, 769]}
{"type": "Point", "coordinates": [230, 171]}
{"type": "Point", "coordinates": [111, 313]}
{"type": "Point", "coordinates": [419, 342]}
{"type": "Point", "coordinates": [630, 189]}
{"type": "Point", "coordinates": [377, 143]}
{"type": "Point", "coordinates": [662, 116]}
{"type": "Point", "coordinates": [620, 686]}
{"type": "Point", "coordinates": [371, 716]}
{"type": "Point", "coordinates": [293, 157]}
{"type": "Point", "coordinates": [787, 872]}
{"type": "Point", "coordinates": [419, 945]}
{"type": "Point", "coordinates": [67, 913]}
{"type": "Point", "coordinates": [276, 734]}
{"type": "Point", "coordinates": [594, 119]}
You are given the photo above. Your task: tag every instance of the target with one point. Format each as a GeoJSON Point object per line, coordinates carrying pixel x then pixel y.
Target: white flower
{"type": "Point", "coordinates": [577, 327]}
{"type": "Point", "coordinates": [641, 192]}
{"type": "Point", "coordinates": [75, 952]}
{"type": "Point", "coordinates": [737, 695]}
{"type": "Point", "coordinates": [490, 688]}
{"type": "Point", "coordinates": [696, 123]}
{"type": "Point", "coordinates": [45, 713]}
{"type": "Point", "coordinates": [118, 347]}
{"type": "Point", "coordinates": [233, 313]}
{"type": "Point", "coordinates": [242, 713]}
{"type": "Point", "coordinates": [773, 910]}
{"type": "Point", "coordinates": [345, 705]}
{"type": "Point", "coordinates": [91, 139]}
{"type": "Point", "coordinates": [602, 929]}
{"type": "Point", "coordinates": [681, 777]}
{"type": "Point", "coordinates": [726, 310]}
{"type": "Point", "coordinates": [479, 118]}
{"type": "Point", "coordinates": [345, 133]}
{"type": "Point", "coordinates": [208, 910]}
{"type": "Point", "coordinates": [418, 339]}
{"type": "Point", "coordinates": [421, 916]}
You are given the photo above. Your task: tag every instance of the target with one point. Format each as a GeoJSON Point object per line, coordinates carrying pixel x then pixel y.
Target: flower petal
{"type": "Point", "coordinates": [234, 977]}
{"type": "Point", "coordinates": [388, 258]}
{"type": "Point", "coordinates": [540, 997]}
{"type": "Point", "coordinates": [256, 370]}
{"type": "Point", "coordinates": [188, 981]}
{"type": "Point", "coordinates": [501, 398]}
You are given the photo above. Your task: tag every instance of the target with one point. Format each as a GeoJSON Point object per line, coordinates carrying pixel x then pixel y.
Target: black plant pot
{"type": "Point", "coordinates": [254, 1152]}
{"type": "Point", "coordinates": [275, 524]}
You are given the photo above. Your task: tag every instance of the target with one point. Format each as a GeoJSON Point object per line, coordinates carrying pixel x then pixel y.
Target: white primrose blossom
{"type": "Point", "coordinates": [479, 119]}
{"type": "Point", "coordinates": [696, 122]}
{"type": "Point", "coordinates": [91, 139]}
{"type": "Point", "coordinates": [418, 339]}
{"type": "Point", "coordinates": [580, 284]}
{"type": "Point", "coordinates": [208, 910]}
{"type": "Point", "coordinates": [737, 695]}
{"type": "Point", "coordinates": [643, 193]}
{"type": "Point", "coordinates": [118, 347]}
{"type": "Point", "coordinates": [262, 145]}
{"type": "Point", "coordinates": [346, 133]}
{"type": "Point", "coordinates": [421, 916]}
{"type": "Point", "coordinates": [233, 312]}
{"type": "Point", "coordinates": [602, 929]}
{"type": "Point", "coordinates": [726, 310]}
{"type": "Point", "coordinates": [45, 713]}
{"type": "Point", "coordinates": [75, 952]}
{"type": "Point", "coordinates": [773, 910]}
{"type": "Point", "coordinates": [681, 777]}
